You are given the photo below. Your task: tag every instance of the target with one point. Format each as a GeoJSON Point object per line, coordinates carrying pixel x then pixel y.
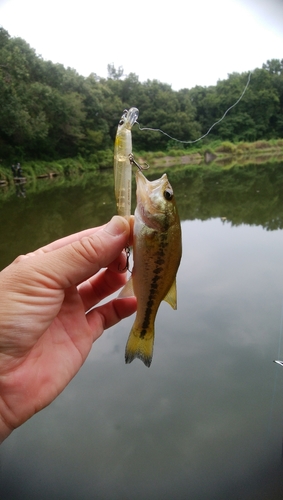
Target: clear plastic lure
{"type": "Point", "coordinates": [122, 163]}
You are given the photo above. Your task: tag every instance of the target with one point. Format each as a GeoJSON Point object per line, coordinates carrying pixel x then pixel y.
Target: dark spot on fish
{"type": "Point", "coordinates": [158, 270]}
{"type": "Point", "coordinates": [143, 333]}
{"type": "Point", "coordinates": [149, 304]}
{"type": "Point", "coordinates": [160, 262]}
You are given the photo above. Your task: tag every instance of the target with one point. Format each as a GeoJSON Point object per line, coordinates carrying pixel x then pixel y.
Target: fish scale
{"type": "Point", "coordinates": [152, 293]}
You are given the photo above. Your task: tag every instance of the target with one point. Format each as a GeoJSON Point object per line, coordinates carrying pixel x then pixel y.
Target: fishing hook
{"type": "Point", "coordinates": [134, 162]}
{"type": "Point", "coordinates": [128, 254]}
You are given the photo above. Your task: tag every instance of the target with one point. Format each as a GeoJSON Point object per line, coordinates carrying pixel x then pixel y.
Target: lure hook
{"type": "Point", "coordinates": [128, 254]}
{"type": "Point", "coordinates": [145, 166]}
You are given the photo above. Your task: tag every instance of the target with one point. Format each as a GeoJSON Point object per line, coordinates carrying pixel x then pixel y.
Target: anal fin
{"type": "Point", "coordinates": [171, 296]}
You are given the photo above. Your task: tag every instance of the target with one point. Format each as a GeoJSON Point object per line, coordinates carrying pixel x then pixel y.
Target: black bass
{"type": "Point", "coordinates": [157, 250]}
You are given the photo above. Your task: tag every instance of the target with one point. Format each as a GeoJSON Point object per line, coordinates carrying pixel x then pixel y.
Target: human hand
{"type": "Point", "coordinates": [45, 333]}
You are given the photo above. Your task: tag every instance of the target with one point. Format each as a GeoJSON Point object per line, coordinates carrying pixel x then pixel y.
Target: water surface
{"type": "Point", "coordinates": [206, 419]}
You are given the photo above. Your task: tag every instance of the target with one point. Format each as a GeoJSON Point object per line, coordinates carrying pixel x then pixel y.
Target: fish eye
{"type": "Point", "coordinates": [168, 194]}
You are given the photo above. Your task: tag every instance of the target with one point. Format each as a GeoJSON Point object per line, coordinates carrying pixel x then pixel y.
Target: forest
{"type": "Point", "coordinates": [49, 112]}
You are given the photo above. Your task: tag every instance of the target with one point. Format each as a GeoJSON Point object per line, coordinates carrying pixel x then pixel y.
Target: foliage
{"type": "Point", "coordinates": [50, 112]}
{"type": "Point", "coordinates": [226, 147]}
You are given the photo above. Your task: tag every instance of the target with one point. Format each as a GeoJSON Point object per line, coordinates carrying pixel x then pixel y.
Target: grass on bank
{"type": "Point", "coordinates": [242, 148]}
{"type": "Point", "coordinates": [34, 169]}
{"type": "Point", "coordinates": [220, 149]}
{"type": "Point", "coordinates": [239, 151]}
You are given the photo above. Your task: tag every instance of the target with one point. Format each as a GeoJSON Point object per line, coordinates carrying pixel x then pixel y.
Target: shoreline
{"type": "Point", "coordinates": [221, 154]}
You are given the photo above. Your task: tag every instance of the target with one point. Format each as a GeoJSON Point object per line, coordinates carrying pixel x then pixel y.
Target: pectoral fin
{"type": "Point", "coordinates": [171, 296]}
{"type": "Point", "coordinates": [127, 290]}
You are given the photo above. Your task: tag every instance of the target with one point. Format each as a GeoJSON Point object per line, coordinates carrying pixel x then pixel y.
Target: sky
{"type": "Point", "coordinates": [183, 43]}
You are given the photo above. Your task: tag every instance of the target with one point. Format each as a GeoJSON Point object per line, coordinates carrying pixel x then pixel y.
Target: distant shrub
{"type": "Point", "coordinates": [211, 144]}
{"type": "Point", "coordinates": [34, 168]}
{"type": "Point", "coordinates": [29, 171]}
{"type": "Point", "coordinates": [261, 145]}
{"type": "Point", "coordinates": [176, 152]}
{"type": "Point", "coordinates": [243, 148]}
{"type": "Point", "coordinates": [6, 174]}
{"type": "Point", "coordinates": [55, 167]}
{"type": "Point", "coordinates": [105, 158]}
{"type": "Point", "coordinates": [207, 149]}
{"type": "Point", "coordinates": [226, 147]}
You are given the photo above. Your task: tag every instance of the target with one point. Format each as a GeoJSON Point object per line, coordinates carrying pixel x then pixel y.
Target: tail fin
{"type": "Point", "coordinates": [140, 345]}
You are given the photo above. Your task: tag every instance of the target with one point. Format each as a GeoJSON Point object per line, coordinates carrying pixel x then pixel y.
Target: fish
{"type": "Point", "coordinates": [122, 163]}
{"type": "Point", "coordinates": [157, 249]}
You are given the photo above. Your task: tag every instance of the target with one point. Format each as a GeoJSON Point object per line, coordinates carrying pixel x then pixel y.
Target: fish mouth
{"type": "Point", "coordinates": [141, 180]}
{"type": "Point", "coordinates": [144, 188]}
{"type": "Point", "coordinates": [147, 209]}
{"type": "Point", "coordinates": [142, 193]}
{"type": "Point", "coordinates": [148, 186]}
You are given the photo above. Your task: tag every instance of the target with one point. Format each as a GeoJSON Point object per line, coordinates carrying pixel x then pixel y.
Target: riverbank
{"type": "Point", "coordinates": [33, 170]}
{"type": "Point", "coordinates": [223, 154]}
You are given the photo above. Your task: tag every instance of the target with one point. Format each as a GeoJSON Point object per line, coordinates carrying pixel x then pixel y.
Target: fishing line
{"type": "Point", "coordinates": [209, 130]}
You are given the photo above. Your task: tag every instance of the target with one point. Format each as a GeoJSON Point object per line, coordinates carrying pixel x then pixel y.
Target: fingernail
{"type": "Point", "coordinates": [116, 226]}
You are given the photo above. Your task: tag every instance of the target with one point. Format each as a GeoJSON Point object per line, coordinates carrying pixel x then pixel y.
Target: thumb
{"type": "Point", "coordinates": [77, 261]}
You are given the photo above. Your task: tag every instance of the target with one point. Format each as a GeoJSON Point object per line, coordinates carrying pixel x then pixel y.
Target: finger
{"type": "Point", "coordinates": [58, 243]}
{"type": "Point", "coordinates": [77, 261]}
{"type": "Point", "coordinates": [100, 286]}
{"type": "Point", "coordinates": [77, 236]}
{"type": "Point", "coordinates": [104, 283]}
{"type": "Point", "coordinates": [119, 265]}
{"type": "Point", "coordinates": [71, 239]}
{"type": "Point", "coordinates": [110, 314]}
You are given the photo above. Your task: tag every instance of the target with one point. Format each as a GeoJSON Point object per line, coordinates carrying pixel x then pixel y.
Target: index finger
{"type": "Point", "coordinates": [67, 239]}
{"type": "Point", "coordinates": [75, 237]}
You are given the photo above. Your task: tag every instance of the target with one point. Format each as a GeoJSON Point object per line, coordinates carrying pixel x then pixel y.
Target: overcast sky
{"type": "Point", "coordinates": [183, 43]}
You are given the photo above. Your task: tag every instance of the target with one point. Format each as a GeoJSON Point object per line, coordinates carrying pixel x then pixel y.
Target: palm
{"type": "Point", "coordinates": [44, 369]}
{"type": "Point", "coordinates": [63, 342]}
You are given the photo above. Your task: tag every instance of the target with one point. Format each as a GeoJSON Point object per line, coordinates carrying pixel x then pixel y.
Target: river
{"type": "Point", "coordinates": [205, 421]}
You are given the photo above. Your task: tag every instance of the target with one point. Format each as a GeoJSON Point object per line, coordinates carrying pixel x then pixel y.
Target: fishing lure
{"type": "Point", "coordinates": [123, 161]}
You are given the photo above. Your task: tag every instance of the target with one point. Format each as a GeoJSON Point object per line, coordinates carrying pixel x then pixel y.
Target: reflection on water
{"type": "Point", "coordinates": [206, 420]}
